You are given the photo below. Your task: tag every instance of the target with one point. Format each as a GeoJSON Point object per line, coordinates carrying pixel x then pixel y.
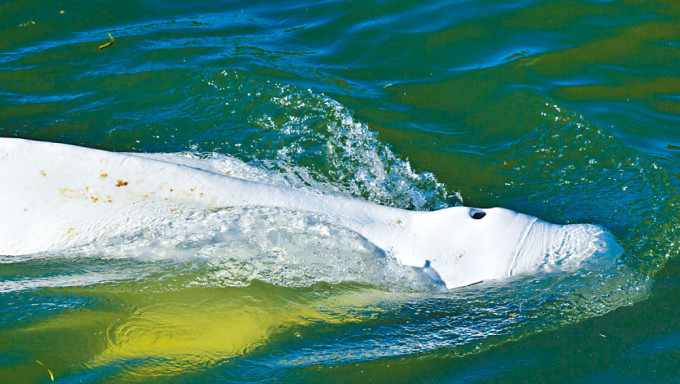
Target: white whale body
{"type": "Point", "coordinates": [56, 196]}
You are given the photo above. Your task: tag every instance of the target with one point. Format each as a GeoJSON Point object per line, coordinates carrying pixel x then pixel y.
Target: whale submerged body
{"type": "Point", "coordinates": [55, 196]}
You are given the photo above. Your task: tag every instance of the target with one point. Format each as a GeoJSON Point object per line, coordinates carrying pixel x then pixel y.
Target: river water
{"type": "Point", "coordinates": [565, 109]}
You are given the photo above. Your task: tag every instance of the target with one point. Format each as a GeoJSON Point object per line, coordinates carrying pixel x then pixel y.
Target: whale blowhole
{"type": "Point", "coordinates": [477, 214]}
{"type": "Point", "coordinates": [73, 196]}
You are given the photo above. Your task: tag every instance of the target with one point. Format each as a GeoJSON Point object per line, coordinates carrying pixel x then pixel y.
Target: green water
{"type": "Point", "coordinates": [566, 110]}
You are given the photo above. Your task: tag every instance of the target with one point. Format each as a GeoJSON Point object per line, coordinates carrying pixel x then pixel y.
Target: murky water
{"type": "Point", "coordinates": [566, 110]}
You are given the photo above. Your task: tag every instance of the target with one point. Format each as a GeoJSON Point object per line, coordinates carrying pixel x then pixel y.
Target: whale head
{"type": "Point", "coordinates": [464, 246]}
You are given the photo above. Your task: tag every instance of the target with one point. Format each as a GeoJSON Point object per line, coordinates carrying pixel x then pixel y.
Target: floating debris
{"type": "Point", "coordinates": [294, 29]}
{"type": "Point", "coordinates": [342, 83]}
{"type": "Point", "coordinates": [518, 54]}
{"type": "Point", "coordinates": [27, 24]}
{"type": "Point", "coordinates": [48, 370]}
{"type": "Point", "coordinates": [110, 43]}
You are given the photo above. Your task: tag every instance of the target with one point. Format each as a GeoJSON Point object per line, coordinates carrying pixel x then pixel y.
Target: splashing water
{"type": "Point", "coordinates": [312, 275]}
{"type": "Point", "coordinates": [311, 137]}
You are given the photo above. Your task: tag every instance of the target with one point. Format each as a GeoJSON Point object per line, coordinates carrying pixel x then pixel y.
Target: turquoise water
{"type": "Point", "coordinates": [566, 110]}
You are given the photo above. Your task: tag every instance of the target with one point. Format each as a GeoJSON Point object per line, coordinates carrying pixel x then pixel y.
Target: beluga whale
{"type": "Point", "coordinates": [56, 196]}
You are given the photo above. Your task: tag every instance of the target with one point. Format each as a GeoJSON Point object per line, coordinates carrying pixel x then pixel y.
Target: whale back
{"type": "Point", "coordinates": [55, 195]}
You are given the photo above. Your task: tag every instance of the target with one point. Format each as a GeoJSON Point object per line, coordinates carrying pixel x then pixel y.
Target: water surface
{"type": "Point", "coordinates": [567, 110]}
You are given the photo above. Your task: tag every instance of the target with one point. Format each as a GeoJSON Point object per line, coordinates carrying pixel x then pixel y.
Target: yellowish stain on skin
{"type": "Point", "coordinates": [69, 232]}
{"type": "Point", "coordinates": [69, 193]}
{"type": "Point", "coordinates": [89, 194]}
{"type": "Point", "coordinates": [42, 173]}
{"type": "Point", "coordinates": [103, 175]}
{"type": "Point", "coordinates": [92, 194]}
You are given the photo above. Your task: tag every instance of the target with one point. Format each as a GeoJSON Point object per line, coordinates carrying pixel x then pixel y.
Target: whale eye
{"type": "Point", "coordinates": [477, 214]}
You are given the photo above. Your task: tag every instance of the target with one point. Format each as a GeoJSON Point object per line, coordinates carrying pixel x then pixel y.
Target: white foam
{"type": "Point", "coordinates": [344, 153]}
